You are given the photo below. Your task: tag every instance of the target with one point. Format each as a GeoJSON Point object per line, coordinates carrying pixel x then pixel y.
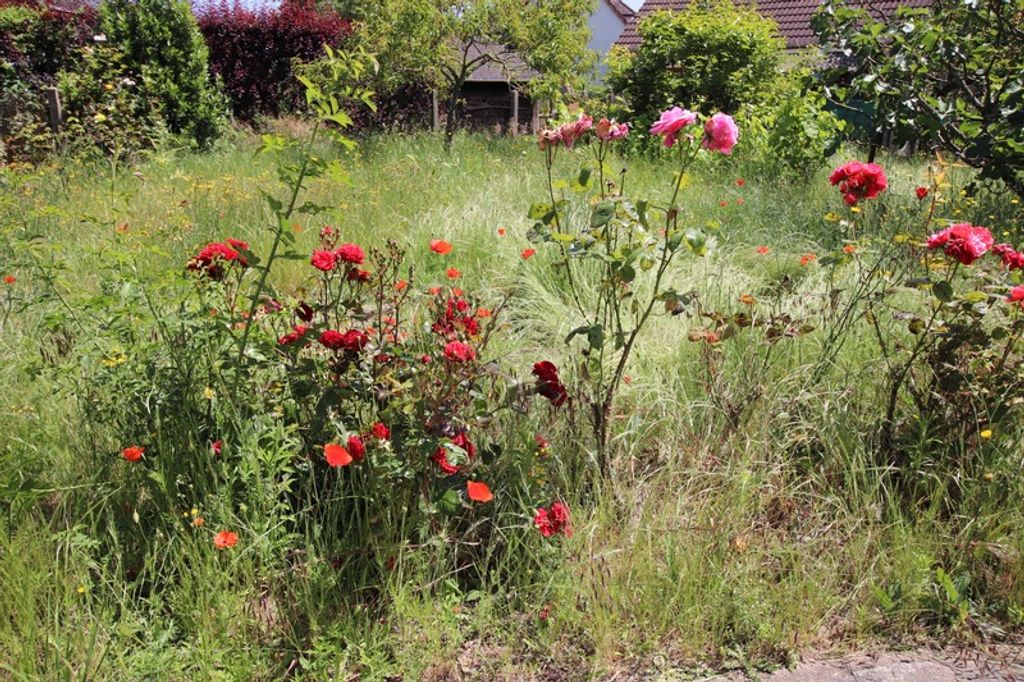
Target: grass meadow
{"type": "Point", "coordinates": [747, 518]}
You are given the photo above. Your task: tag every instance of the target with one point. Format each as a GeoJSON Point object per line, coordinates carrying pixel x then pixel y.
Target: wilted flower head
{"type": "Point", "coordinates": [610, 130]}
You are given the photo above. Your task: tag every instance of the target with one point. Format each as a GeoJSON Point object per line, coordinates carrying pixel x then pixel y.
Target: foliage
{"type": "Point", "coordinates": [440, 45]}
{"type": "Point", "coordinates": [948, 75]}
{"type": "Point", "coordinates": [718, 57]}
{"type": "Point", "coordinates": [251, 51]}
{"type": "Point", "coordinates": [160, 41]}
{"type": "Point", "coordinates": [803, 133]}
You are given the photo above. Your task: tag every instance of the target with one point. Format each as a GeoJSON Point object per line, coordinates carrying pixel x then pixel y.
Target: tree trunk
{"type": "Point", "coordinates": [451, 117]}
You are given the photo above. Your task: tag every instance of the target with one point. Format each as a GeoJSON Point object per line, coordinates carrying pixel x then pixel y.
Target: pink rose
{"type": "Point", "coordinates": [721, 133]}
{"type": "Point", "coordinates": [610, 130]}
{"type": "Point", "coordinates": [671, 122]}
{"type": "Point", "coordinates": [962, 241]}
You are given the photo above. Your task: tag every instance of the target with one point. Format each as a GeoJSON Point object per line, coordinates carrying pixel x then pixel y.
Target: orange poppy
{"type": "Point", "coordinates": [337, 455]}
{"type": "Point", "coordinates": [763, 250]}
{"type": "Point", "coordinates": [527, 253]}
{"type": "Point", "coordinates": [478, 492]}
{"type": "Point", "coordinates": [747, 299]}
{"type": "Point", "coordinates": [133, 453]}
{"type": "Point", "coordinates": [434, 291]}
{"type": "Point", "coordinates": [198, 522]}
{"type": "Point", "coordinates": [483, 313]}
{"type": "Point", "coordinates": [400, 285]}
{"type": "Point", "coordinates": [10, 279]}
{"type": "Point", "coordinates": [453, 273]}
{"type": "Point", "coordinates": [225, 539]}
{"type": "Point", "coordinates": [849, 248]}
{"type": "Point", "coordinates": [501, 231]}
{"type": "Point", "coordinates": [807, 258]}
{"type": "Point", "coordinates": [440, 246]}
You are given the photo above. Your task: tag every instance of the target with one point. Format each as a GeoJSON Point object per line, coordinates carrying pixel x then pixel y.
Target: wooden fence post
{"type": "Point", "coordinates": [55, 114]}
{"type": "Point", "coordinates": [514, 124]}
{"type": "Point", "coordinates": [436, 110]}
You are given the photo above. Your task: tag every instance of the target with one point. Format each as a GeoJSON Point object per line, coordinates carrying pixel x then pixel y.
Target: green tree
{"type": "Point", "coordinates": [159, 40]}
{"type": "Point", "coordinates": [951, 76]}
{"type": "Point", "coordinates": [715, 57]}
{"type": "Point", "coordinates": [440, 44]}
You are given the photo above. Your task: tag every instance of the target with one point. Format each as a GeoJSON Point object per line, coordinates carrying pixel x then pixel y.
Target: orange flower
{"type": "Point", "coordinates": [740, 182]}
{"type": "Point", "coordinates": [225, 539]}
{"type": "Point", "coordinates": [198, 522]}
{"type": "Point", "coordinates": [747, 299]}
{"type": "Point", "coordinates": [763, 250]}
{"type": "Point", "coordinates": [807, 258]}
{"type": "Point", "coordinates": [478, 492]}
{"type": "Point", "coordinates": [337, 455]}
{"type": "Point", "coordinates": [501, 231]}
{"type": "Point", "coordinates": [440, 246]}
{"type": "Point", "coordinates": [400, 285]}
{"type": "Point", "coordinates": [849, 248]}
{"type": "Point", "coordinates": [483, 313]}
{"type": "Point", "coordinates": [628, 380]}
{"type": "Point", "coordinates": [10, 279]}
{"type": "Point", "coordinates": [453, 273]}
{"type": "Point", "coordinates": [133, 453]}
{"type": "Point", "coordinates": [527, 253]}
{"type": "Point", "coordinates": [434, 291]}
{"type": "Point", "coordinates": [456, 291]}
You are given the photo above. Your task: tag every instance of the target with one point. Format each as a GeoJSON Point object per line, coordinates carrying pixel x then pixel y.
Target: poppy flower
{"type": "Point", "coordinates": [10, 279]}
{"type": "Point", "coordinates": [453, 273]}
{"type": "Point", "coordinates": [921, 192]}
{"type": "Point", "coordinates": [336, 455]}
{"type": "Point", "coordinates": [434, 291]}
{"type": "Point", "coordinates": [806, 259]}
{"type": "Point", "coordinates": [198, 522]}
{"type": "Point", "coordinates": [297, 333]}
{"type": "Point", "coordinates": [763, 250]}
{"type": "Point", "coordinates": [740, 182]}
{"type": "Point", "coordinates": [723, 203]}
{"type": "Point", "coordinates": [527, 253]}
{"type": "Point", "coordinates": [483, 313]}
{"type": "Point", "coordinates": [133, 453]}
{"type": "Point", "coordinates": [440, 246]}
{"type": "Point", "coordinates": [225, 539]}
{"type": "Point", "coordinates": [401, 285]}
{"type": "Point", "coordinates": [478, 492]}
{"type": "Point", "coordinates": [501, 231]}
{"type": "Point", "coordinates": [849, 248]}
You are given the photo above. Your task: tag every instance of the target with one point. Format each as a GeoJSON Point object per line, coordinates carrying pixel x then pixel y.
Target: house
{"type": "Point", "coordinates": [792, 16]}
{"type": "Point", "coordinates": [607, 22]}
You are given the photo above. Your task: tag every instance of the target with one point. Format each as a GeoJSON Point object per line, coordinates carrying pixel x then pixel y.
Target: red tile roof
{"type": "Point", "coordinates": [792, 16]}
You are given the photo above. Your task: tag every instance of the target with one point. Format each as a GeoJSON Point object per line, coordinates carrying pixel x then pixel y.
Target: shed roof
{"type": "Point", "coordinates": [502, 65]}
{"type": "Point", "coordinates": [792, 16]}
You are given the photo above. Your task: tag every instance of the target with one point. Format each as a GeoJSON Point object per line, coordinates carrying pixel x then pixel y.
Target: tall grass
{"type": "Point", "coordinates": [731, 543]}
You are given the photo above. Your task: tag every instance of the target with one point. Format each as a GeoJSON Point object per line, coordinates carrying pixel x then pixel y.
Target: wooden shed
{"type": "Point", "coordinates": [493, 97]}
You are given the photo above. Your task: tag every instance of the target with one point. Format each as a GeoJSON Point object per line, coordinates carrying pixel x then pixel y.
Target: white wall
{"type": "Point", "coordinates": [605, 27]}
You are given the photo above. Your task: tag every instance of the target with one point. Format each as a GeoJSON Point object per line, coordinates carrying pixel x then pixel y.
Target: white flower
{"type": "Point", "coordinates": [100, 38]}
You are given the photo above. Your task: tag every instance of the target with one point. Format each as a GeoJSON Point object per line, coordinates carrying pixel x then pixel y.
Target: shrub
{"type": "Point", "coordinates": [160, 41]}
{"type": "Point", "coordinates": [718, 58]}
{"type": "Point", "coordinates": [949, 75]}
{"type": "Point", "coordinates": [252, 51]}
{"type": "Point", "coordinates": [803, 134]}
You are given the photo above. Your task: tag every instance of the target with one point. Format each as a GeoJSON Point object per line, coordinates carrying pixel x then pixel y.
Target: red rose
{"type": "Point", "coordinates": [323, 260]}
{"type": "Point", "coordinates": [456, 351]}
{"type": "Point", "coordinates": [462, 441]}
{"type": "Point", "coordinates": [962, 241]}
{"type": "Point", "coordinates": [1016, 295]}
{"type": "Point", "coordinates": [859, 180]}
{"type": "Point", "coordinates": [356, 448]}
{"type": "Point", "coordinates": [350, 253]}
{"type": "Point", "coordinates": [213, 257]}
{"type": "Point", "coordinates": [543, 523]}
{"type": "Point", "coordinates": [441, 460]}
{"type": "Point", "coordinates": [548, 383]}
{"type": "Point", "coordinates": [921, 192]}
{"type": "Point", "coordinates": [237, 244]}
{"type": "Point", "coordinates": [1012, 260]}
{"type": "Point", "coordinates": [293, 336]}
{"type": "Point", "coordinates": [380, 431]}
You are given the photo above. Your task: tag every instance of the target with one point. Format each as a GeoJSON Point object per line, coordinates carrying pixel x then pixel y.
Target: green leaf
{"type": "Point", "coordinates": [627, 274]}
{"type": "Point", "coordinates": [576, 332]}
{"type": "Point", "coordinates": [584, 177]}
{"type": "Point", "coordinates": [602, 214]}
{"type": "Point", "coordinates": [595, 337]}
{"type": "Point", "coordinates": [943, 291]}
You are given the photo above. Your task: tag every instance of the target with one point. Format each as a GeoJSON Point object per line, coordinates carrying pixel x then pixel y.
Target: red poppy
{"type": "Point", "coordinates": [10, 279]}
{"type": "Point", "coordinates": [763, 250]}
{"type": "Point", "coordinates": [849, 248]}
{"type": "Point", "coordinates": [225, 539]}
{"type": "Point", "coordinates": [440, 246]}
{"type": "Point", "coordinates": [527, 253]}
{"type": "Point", "coordinates": [400, 285]}
{"type": "Point", "coordinates": [807, 258]}
{"type": "Point", "coordinates": [133, 453]}
{"type": "Point", "coordinates": [921, 192]}
{"type": "Point", "coordinates": [478, 492]}
{"type": "Point", "coordinates": [740, 182]}
{"type": "Point", "coordinates": [453, 273]}
{"type": "Point", "coordinates": [297, 333]}
{"type": "Point", "coordinates": [337, 455]}
{"type": "Point", "coordinates": [723, 202]}
{"type": "Point", "coordinates": [501, 231]}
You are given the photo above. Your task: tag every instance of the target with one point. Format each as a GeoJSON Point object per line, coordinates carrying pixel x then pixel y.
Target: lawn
{"type": "Point", "coordinates": [749, 515]}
